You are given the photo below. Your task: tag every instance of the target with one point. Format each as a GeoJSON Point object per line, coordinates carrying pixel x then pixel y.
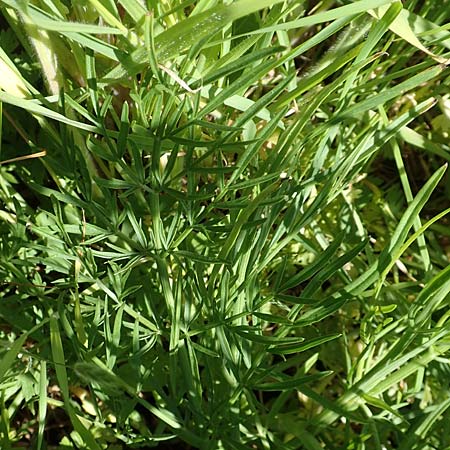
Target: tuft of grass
{"type": "Point", "coordinates": [223, 225]}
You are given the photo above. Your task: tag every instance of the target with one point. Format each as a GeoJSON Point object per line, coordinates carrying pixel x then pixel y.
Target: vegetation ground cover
{"type": "Point", "coordinates": [223, 224]}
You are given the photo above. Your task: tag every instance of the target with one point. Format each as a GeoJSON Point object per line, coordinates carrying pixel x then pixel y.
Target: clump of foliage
{"type": "Point", "coordinates": [222, 224]}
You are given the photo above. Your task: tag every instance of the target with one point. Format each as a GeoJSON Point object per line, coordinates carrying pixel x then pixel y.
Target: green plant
{"type": "Point", "coordinates": [209, 253]}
